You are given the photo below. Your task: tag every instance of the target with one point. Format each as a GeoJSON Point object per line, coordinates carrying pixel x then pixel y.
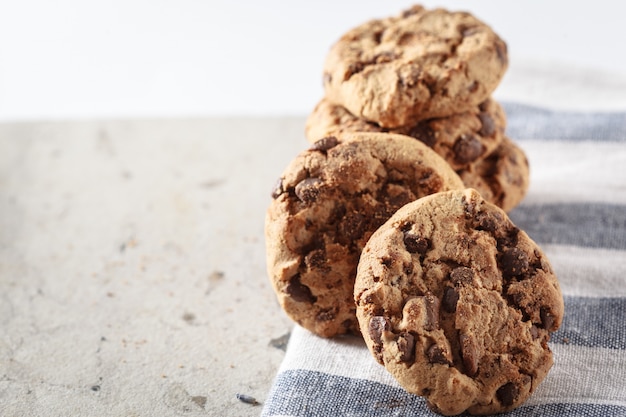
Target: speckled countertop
{"type": "Point", "coordinates": [132, 266]}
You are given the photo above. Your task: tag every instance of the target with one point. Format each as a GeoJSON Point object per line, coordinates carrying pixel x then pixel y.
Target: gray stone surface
{"type": "Point", "coordinates": [132, 266]}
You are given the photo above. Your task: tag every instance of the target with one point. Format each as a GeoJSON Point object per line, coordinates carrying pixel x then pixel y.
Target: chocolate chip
{"type": "Point", "coordinates": [277, 190]}
{"type": "Point", "coordinates": [300, 292]}
{"type": "Point", "coordinates": [406, 347]}
{"type": "Point", "coordinates": [469, 354]}
{"type": "Point", "coordinates": [507, 394]}
{"type": "Point", "coordinates": [436, 354]}
{"type": "Point", "coordinates": [488, 127]}
{"type": "Point", "coordinates": [450, 299]}
{"type": "Point", "coordinates": [467, 148]}
{"type": "Point", "coordinates": [327, 78]}
{"type": "Point", "coordinates": [514, 262]}
{"type": "Point", "coordinates": [501, 50]}
{"type": "Point", "coordinates": [325, 144]}
{"type": "Point", "coordinates": [547, 318]}
{"type": "Point", "coordinates": [424, 133]}
{"type": "Point", "coordinates": [308, 189]}
{"type": "Point", "coordinates": [415, 243]}
{"type": "Point", "coordinates": [432, 312]}
{"type": "Point", "coordinates": [462, 275]}
{"type": "Point", "coordinates": [377, 325]}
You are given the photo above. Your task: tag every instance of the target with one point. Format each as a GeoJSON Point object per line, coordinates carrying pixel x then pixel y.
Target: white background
{"type": "Point", "coordinates": [69, 59]}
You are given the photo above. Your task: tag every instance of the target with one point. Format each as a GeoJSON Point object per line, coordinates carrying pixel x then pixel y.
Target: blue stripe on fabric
{"type": "Point", "coordinates": [593, 322]}
{"type": "Point", "coordinates": [305, 393]}
{"type": "Point", "coordinates": [529, 122]}
{"type": "Point", "coordinates": [596, 225]}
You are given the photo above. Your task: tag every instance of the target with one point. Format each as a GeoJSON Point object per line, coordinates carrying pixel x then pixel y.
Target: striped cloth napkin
{"type": "Point", "coordinates": [576, 211]}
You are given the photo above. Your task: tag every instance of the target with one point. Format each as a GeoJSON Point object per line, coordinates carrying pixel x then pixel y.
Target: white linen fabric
{"type": "Point", "coordinates": [576, 211]}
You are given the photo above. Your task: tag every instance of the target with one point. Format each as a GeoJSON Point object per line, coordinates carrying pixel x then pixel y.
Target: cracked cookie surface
{"type": "Point", "coordinates": [418, 65]}
{"type": "Point", "coordinates": [326, 205]}
{"type": "Point", "coordinates": [458, 304]}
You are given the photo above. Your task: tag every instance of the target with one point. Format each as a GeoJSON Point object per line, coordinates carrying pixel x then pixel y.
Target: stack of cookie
{"type": "Point", "coordinates": [428, 74]}
{"type": "Point", "coordinates": [375, 233]}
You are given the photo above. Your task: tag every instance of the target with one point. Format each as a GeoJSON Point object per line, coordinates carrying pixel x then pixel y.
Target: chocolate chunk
{"type": "Point", "coordinates": [352, 227]}
{"type": "Point", "coordinates": [501, 50]}
{"type": "Point", "coordinates": [473, 87]}
{"type": "Point", "coordinates": [300, 292]}
{"type": "Point", "coordinates": [547, 319]}
{"type": "Point", "coordinates": [386, 261]}
{"type": "Point", "coordinates": [378, 325]}
{"type": "Point", "coordinates": [327, 314]}
{"type": "Point", "coordinates": [432, 312]}
{"type": "Point", "coordinates": [467, 148]}
{"type": "Point", "coordinates": [316, 259]}
{"type": "Point", "coordinates": [415, 243]}
{"type": "Point", "coordinates": [308, 189]}
{"type": "Point", "coordinates": [450, 299]}
{"type": "Point", "coordinates": [487, 221]}
{"type": "Point", "coordinates": [507, 394]}
{"type": "Point", "coordinates": [488, 127]}
{"type": "Point", "coordinates": [469, 354]}
{"type": "Point", "coordinates": [325, 144]}
{"type": "Point", "coordinates": [396, 201]}
{"type": "Point", "coordinates": [514, 262]}
{"type": "Point", "coordinates": [348, 324]}
{"type": "Point", "coordinates": [424, 133]}
{"type": "Point", "coordinates": [377, 36]}
{"type": "Point", "coordinates": [534, 332]}
{"type": "Point", "coordinates": [462, 275]}
{"type": "Point", "coordinates": [436, 354]}
{"type": "Point", "coordinates": [406, 347]}
{"type": "Point", "coordinates": [277, 190]}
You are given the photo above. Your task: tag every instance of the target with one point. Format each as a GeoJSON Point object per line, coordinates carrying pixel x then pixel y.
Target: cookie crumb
{"type": "Point", "coordinates": [247, 399]}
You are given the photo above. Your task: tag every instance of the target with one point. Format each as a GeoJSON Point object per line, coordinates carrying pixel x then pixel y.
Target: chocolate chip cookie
{"type": "Point", "coordinates": [415, 66]}
{"type": "Point", "coordinates": [326, 205]}
{"type": "Point", "coordinates": [502, 178]}
{"type": "Point", "coordinates": [458, 304]}
{"type": "Point", "coordinates": [461, 139]}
